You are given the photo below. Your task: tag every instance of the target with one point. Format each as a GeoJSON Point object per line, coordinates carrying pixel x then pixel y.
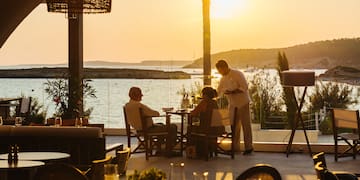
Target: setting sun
{"type": "Point", "coordinates": [225, 9]}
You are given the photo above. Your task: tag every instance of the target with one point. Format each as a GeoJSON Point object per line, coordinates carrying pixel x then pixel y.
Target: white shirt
{"type": "Point", "coordinates": [133, 114]}
{"type": "Point", "coordinates": [234, 80]}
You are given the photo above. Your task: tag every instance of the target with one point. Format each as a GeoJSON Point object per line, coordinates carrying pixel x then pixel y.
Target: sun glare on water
{"type": "Point", "coordinates": [226, 9]}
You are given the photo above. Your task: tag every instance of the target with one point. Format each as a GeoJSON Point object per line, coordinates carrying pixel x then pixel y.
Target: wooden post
{"type": "Point", "coordinates": [206, 43]}
{"type": "Point", "coordinates": [75, 102]}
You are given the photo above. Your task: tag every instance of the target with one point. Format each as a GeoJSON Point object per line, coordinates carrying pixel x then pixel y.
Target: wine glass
{"type": "Point", "coordinates": [18, 121]}
{"type": "Point", "coordinates": [177, 171]}
{"type": "Point", "coordinates": [111, 172]}
{"type": "Point", "coordinates": [78, 122]}
{"type": "Point", "coordinates": [200, 175]}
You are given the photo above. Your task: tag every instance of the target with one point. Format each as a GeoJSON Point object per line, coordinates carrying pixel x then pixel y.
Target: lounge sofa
{"type": "Point", "coordinates": [84, 144]}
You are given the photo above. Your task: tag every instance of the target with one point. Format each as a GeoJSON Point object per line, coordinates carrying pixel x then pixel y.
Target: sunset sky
{"type": "Point", "coordinates": [139, 30]}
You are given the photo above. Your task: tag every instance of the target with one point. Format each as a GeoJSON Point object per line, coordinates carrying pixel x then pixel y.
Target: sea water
{"type": "Point", "coordinates": [112, 94]}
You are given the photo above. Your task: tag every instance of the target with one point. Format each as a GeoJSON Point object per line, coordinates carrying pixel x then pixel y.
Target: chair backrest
{"type": "Point", "coordinates": [24, 108]}
{"type": "Point", "coordinates": [25, 105]}
{"type": "Point", "coordinates": [223, 117]}
{"type": "Point", "coordinates": [260, 171]}
{"type": "Point", "coordinates": [97, 168]}
{"type": "Point", "coordinates": [220, 117]}
{"type": "Point", "coordinates": [343, 118]}
{"type": "Point", "coordinates": [121, 160]}
{"type": "Point", "coordinates": [127, 127]}
{"type": "Point", "coordinates": [133, 117]}
{"type": "Point", "coordinates": [323, 173]}
{"type": "Point", "coordinates": [59, 171]}
{"type": "Point", "coordinates": [319, 157]}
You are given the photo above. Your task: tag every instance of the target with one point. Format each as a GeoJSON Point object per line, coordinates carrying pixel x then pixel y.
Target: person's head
{"type": "Point", "coordinates": [222, 67]}
{"type": "Point", "coordinates": [135, 94]}
{"type": "Point", "coordinates": [209, 92]}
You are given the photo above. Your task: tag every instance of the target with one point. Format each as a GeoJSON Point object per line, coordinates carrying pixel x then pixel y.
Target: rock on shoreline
{"type": "Point", "coordinates": [94, 73]}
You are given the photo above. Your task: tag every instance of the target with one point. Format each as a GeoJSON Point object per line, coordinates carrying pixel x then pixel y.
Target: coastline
{"type": "Point", "coordinates": [342, 74]}
{"type": "Point", "coordinates": [94, 73]}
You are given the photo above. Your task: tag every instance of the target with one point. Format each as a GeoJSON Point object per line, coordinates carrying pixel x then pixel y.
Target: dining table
{"type": "Point", "coordinates": [39, 156]}
{"type": "Point", "coordinates": [23, 170]}
{"type": "Point", "coordinates": [185, 115]}
{"type": "Point", "coordinates": [5, 165]}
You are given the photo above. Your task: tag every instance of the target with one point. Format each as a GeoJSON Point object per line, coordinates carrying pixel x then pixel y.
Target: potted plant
{"type": "Point", "coordinates": [58, 91]}
{"type": "Point", "coordinates": [37, 114]}
{"type": "Point", "coordinates": [36, 119]}
{"type": "Point", "coordinates": [149, 174]}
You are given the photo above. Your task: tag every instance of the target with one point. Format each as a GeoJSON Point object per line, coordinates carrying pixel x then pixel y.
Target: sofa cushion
{"type": "Point", "coordinates": [67, 131]}
{"type": "Point", "coordinates": [5, 130]}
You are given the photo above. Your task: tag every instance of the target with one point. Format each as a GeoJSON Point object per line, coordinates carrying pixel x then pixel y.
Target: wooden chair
{"type": "Point", "coordinates": [131, 133]}
{"type": "Point", "coordinates": [121, 159]}
{"type": "Point", "coordinates": [152, 140]}
{"type": "Point", "coordinates": [260, 171]}
{"type": "Point", "coordinates": [228, 135]}
{"type": "Point", "coordinates": [212, 141]}
{"type": "Point", "coordinates": [96, 171]}
{"type": "Point", "coordinates": [346, 120]}
{"type": "Point", "coordinates": [319, 157]}
{"type": "Point", "coordinates": [323, 173]}
{"type": "Point", "coordinates": [148, 141]}
{"type": "Point", "coordinates": [24, 108]}
{"type": "Point", "coordinates": [59, 172]}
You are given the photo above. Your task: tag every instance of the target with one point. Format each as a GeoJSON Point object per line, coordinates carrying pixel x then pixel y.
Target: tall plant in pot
{"type": "Point", "coordinates": [58, 91]}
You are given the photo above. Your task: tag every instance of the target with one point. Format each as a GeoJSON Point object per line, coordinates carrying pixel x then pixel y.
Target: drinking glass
{"type": "Point", "coordinates": [111, 172]}
{"type": "Point", "coordinates": [58, 121]}
{"type": "Point", "coordinates": [18, 121]}
{"type": "Point", "coordinates": [1, 121]}
{"type": "Point", "coordinates": [78, 122]}
{"type": "Point", "coordinates": [177, 171]}
{"type": "Point", "coordinates": [200, 175]}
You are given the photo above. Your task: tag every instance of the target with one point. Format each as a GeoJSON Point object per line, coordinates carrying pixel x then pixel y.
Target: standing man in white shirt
{"type": "Point", "coordinates": [233, 84]}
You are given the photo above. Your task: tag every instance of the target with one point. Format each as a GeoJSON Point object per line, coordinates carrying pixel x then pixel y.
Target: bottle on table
{"type": "Point", "coordinates": [10, 154]}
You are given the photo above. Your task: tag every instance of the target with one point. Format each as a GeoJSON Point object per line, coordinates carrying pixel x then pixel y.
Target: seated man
{"type": "Point", "coordinates": [133, 116]}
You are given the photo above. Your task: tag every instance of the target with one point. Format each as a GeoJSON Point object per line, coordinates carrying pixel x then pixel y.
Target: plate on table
{"type": "Point", "coordinates": [167, 109]}
{"type": "Point", "coordinates": [181, 110]}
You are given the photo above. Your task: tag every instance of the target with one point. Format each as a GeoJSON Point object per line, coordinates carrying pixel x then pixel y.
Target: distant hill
{"type": "Point", "coordinates": [320, 54]}
{"type": "Point", "coordinates": [109, 63]}
{"type": "Point", "coordinates": [142, 63]}
{"type": "Point", "coordinates": [93, 73]}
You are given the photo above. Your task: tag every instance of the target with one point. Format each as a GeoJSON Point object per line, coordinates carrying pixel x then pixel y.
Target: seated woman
{"type": "Point", "coordinates": [203, 112]}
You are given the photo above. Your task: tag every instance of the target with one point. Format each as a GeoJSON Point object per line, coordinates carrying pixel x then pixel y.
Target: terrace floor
{"type": "Point", "coordinates": [295, 166]}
